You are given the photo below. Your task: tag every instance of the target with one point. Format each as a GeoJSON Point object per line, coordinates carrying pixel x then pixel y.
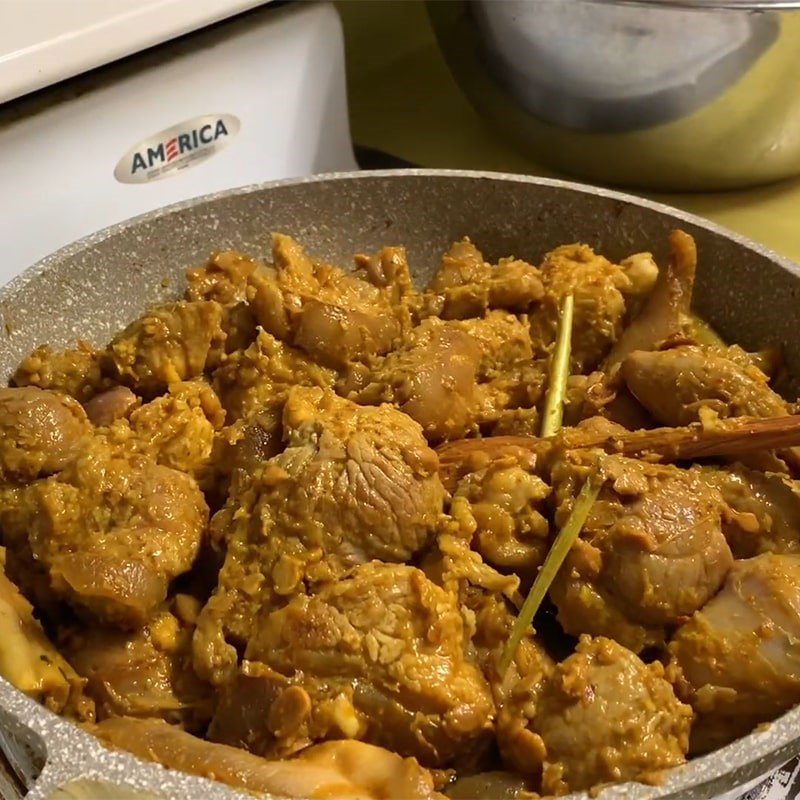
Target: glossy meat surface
{"type": "Point", "coordinates": [467, 286]}
{"type": "Point", "coordinates": [505, 504]}
{"type": "Point", "coordinates": [354, 483]}
{"type": "Point", "coordinates": [455, 376]}
{"type": "Point", "coordinates": [740, 654]}
{"type": "Point", "coordinates": [333, 316]}
{"type": "Point", "coordinates": [764, 510]}
{"type": "Point", "coordinates": [172, 343]}
{"type": "Point", "coordinates": [390, 643]}
{"type": "Point", "coordinates": [606, 716]}
{"type": "Point", "coordinates": [107, 534]}
{"type": "Point", "coordinates": [599, 288]}
{"type": "Point", "coordinates": [675, 385]}
{"type": "Point", "coordinates": [41, 432]}
{"type": "Point", "coordinates": [651, 553]}
{"type": "Point", "coordinates": [145, 673]}
{"type": "Point", "coordinates": [75, 372]}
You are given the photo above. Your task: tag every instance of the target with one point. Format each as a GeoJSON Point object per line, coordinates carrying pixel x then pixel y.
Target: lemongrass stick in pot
{"type": "Point", "coordinates": [555, 558]}
{"type": "Point", "coordinates": [559, 371]}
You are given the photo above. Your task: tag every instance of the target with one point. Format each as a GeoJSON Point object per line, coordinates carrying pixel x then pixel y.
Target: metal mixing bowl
{"type": "Point", "coordinates": [667, 94]}
{"type": "Point", "coordinates": [92, 288]}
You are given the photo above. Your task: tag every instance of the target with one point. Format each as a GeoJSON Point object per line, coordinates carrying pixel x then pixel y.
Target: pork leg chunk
{"type": "Point", "coordinates": [432, 378]}
{"type": "Point", "coordinates": [667, 311]}
{"type": "Point", "coordinates": [599, 288]}
{"type": "Point", "coordinates": [451, 377]}
{"type": "Point", "coordinates": [606, 716]}
{"type": "Point", "coordinates": [764, 510]}
{"type": "Point", "coordinates": [355, 483]}
{"type": "Point", "coordinates": [516, 691]}
{"type": "Point", "coordinates": [41, 432]}
{"type": "Point", "coordinates": [225, 278]}
{"type": "Point", "coordinates": [333, 316]}
{"type": "Point", "coordinates": [652, 550]}
{"type": "Point", "coordinates": [676, 384]}
{"type": "Point", "coordinates": [177, 430]}
{"type": "Point", "coordinates": [75, 372]}
{"type": "Point", "coordinates": [395, 642]}
{"type": "Point", "coordinates": [388, 269]}
{"type": "Point", "coordinates": [258, 378]}
{"type": "Point", "coordinates": [171, 343]}
{"type": "Point", "coordinates": [505, 504]}
{"type": "Point", "coordinates": [253, 385]}
{"type": "Point", "coordinates": [740, 654]}
{"type": "Point", "coordinates": [144, 673]}
{"type": "Point", "coordinates": [467, 286]}
{"type": "Point", "coordinates": [336, 769]}
{"type": "Point", "coordinates": [107, 407]}
{"type": "Point", "coordinates": [107, 534]}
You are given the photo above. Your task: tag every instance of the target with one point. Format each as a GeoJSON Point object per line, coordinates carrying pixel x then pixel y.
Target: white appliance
{"type": "Point", "coordinates": [258, 96]}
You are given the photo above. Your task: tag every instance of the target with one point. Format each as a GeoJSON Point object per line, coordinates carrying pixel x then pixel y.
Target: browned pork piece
{"type": "Point", "coordinates": [677, 384]}
{"type": "Point", "coordinates": [253, 385]}
{"type": "Point", "coordinates": [225, 278]}
{"type": "Point", "coordinates": [171, 343]}
{"type": "Point", "coordinates": [41, 432]}
{"type": "Point", "coordinates": [453, 376]}
{"type": "Point", "coordinates": [177, 430]}
{"type": "Point", "coordinates": [606, 716]}
{"type": "Point", "coordinates": [346, 770]}
{"type": "Point", "coordinates": [355, 483]}
{"type": "Point", "coordinates": [651, 552]}
{"type": "Point", "coordinates": [600, 289]}
{"type": "Point", "coordinates": [378, 656]}
{"type": "Point", "coordinates": [764, 510]}
{"type": "Point", "coordinates": [467, 286]}
{"type": "Point", "coordinates": [509, 377]}
{"type": "Point", "coordinates": [666, 311]}
{"type": "Point", "coordinates": [110, 405]}
{"type": "Point", "coordinates": [258, 379]}
{"type": "Point", "coordinates": [75, 372]}
{"type": "Point", "coordinates": [740, 654]}
{"type": "Point", "coordinates": [29, 661]}
{"type": "Point", "coordinates": [388, 269]}
{"type": "Point", "coordinates": [432, 377]}
{"type": "Point", "coordinates": [503, 504]}
{"type": "Point", "coordinates": [145, 673]}
{"type": "Point", "coordinates": [515, 692]}
{"type": "Point", "coordinates": [107, 534]}
{"type": "Point", "coordinates": [333, 316]}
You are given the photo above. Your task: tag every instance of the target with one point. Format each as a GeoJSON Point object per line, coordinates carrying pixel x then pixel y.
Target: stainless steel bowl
{"type": "Point", "coordinates": [666, 94]}
{"type": "Point", "coordinates": [95, 286]}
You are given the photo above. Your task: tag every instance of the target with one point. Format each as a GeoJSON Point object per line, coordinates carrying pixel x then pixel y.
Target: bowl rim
{"type": "Point", "coordinates": [74, 754]}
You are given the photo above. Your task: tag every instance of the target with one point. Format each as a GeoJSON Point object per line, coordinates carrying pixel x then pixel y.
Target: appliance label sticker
{"type": "Point", "coordinates": [174, 149]}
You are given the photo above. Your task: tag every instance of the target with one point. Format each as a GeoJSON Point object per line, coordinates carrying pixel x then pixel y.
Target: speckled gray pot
{"type": "Point", "coordinates": [96, 285]}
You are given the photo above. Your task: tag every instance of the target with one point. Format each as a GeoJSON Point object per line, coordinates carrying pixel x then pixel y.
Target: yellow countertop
{"type": "Point", "coordinates": [404, 101]}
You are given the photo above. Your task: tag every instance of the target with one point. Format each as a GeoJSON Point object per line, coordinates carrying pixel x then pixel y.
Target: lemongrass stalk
{"type": "Point", "coordinates": [559, 371]}
{"type": "Point", "coordinates": [555, 558]}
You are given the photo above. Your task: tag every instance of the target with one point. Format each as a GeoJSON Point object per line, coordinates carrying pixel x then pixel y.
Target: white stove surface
{"type": "Point", "coordinates": [46, 41]}
{"type": "Point", "coordinates": [146, 133]}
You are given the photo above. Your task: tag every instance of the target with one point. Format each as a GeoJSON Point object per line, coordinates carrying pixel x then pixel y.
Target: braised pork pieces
{"type": "Point", "coordinates": [228, 546]}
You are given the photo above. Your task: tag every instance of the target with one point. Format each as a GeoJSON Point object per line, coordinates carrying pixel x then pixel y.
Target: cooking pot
{"type": "Point", "coordinates": [92, 288]}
